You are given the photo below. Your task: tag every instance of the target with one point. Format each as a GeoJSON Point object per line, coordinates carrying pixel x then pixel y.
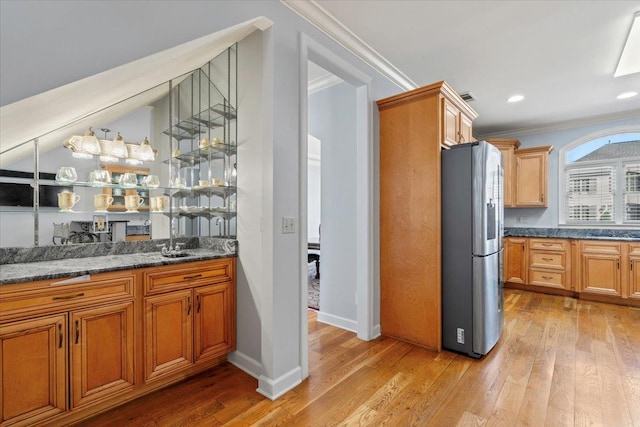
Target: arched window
{"type": "Point", "coordinates": [600, 180]}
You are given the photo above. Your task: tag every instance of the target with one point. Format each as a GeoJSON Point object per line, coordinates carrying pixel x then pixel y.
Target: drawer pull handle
{"type": "Point", "coordinates": [188, 306]}
{"type": "Point", "coordinates": [547, 277]}
{"type": "Point", "coordinates": [547, 259]}
{"type": "Point", "coordinates": [60, 335]}
{"type": "Point", "coordinates": [198, 300]}
{"type": "Point", "coordinates": [69, 296]}
{"type": "Point", "coordinates": [77, 331]}
{"type": "Point", "coordinates": [547, 244]}
{"type": "Point", "coordinates": [193, 276]}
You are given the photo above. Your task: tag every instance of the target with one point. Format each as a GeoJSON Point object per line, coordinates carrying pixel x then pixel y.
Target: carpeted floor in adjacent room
{"type": "Point", "coordinates": [314, 288]}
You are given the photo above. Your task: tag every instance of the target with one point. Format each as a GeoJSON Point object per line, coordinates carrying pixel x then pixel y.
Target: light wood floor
{"type": "Point", "coordinates": [560, 362]}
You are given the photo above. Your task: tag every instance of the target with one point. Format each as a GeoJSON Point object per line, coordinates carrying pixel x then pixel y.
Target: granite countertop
{"type": "Point", "coordinates": [43, 270]}
{"type": "Point", "coordinates": [575, 233]}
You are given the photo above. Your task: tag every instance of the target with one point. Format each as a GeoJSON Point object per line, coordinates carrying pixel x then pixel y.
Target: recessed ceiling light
{"type": "Point", "coordinates": [515, 98]}
{"type": "Point", "coordinates": [627, 95]}
{"type": "Point", "coordinates": [629, 62]}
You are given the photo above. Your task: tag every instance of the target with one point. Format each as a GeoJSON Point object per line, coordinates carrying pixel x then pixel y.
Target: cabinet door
{"type": "Point", "coordinates": [509, 178]}
{"type": "Point", "coordinates": [168, 333]}
{"type": "Point", "coordinates": [33, 360]}
{"type": "Point", "coordinates": [466, 126]}
{"type": "Point", "coordinates": [214, 332]}
{"type": "Point", "coordinates": [515, 260]}
{"type": "Point", "coordinates": [450, 125]}
{"type": "Point", "coordinates": [601, 274]}
{"type": "Point", "coordinates": [634, 272]}
{"type": "Point", "coordinates": [101, 342]}
{"type": "Point", "coordinates": [531, 179]}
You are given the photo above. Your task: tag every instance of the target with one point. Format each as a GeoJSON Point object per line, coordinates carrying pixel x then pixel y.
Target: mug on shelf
{"type": "Point", "coordinates": [217, 142]}
{"type": "Point", "coordinates": [99, 177]}
{"type": "Point", "coordinates": [158, 204]}
{"type": "Point", "coordinates": [128, 179]}
{"type": "Point", "coordinates": [204, 143]}
{"type": "Point", "coordinates": [101, 202]}
{"type": "Point", "coordinates": [67, 174]}
{"type": "Point", "coordinates": [151, 181]}
{"type": "Point", "coordinates": [133, 202]}
{"type": "Point", "coordinates": [67, 200]}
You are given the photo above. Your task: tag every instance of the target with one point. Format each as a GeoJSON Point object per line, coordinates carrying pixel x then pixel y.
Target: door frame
{"type": "Point", "coordinates": [311, 50]}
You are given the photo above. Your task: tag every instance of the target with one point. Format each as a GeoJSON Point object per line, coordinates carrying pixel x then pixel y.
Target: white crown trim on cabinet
{"type": "Point", "coordinates": [328, 24]}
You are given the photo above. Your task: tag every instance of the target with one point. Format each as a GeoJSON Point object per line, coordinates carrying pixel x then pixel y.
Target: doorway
{"type": "Point", "coordinates": [355, 217]}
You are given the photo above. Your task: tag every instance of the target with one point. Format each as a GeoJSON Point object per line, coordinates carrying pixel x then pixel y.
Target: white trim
{"type": "Point", "coordinates": [632, 114]}
{"type": "Point", "coordinates": [338, 321]}
{"type": "Point", "coordinates": [245, 363]}
{"type": "Point", "coordinates": [273, 389]}
{"type": "Point", "coordinates": [562, 166]}
{"type": "Point", "coordinates": [309, 49]}
{"type": "Point", "coordinates": [313, 13]}
{"type": "Point", "coordinates": [376, 331]}
{"type": "Point", "coordinates": [322, 83]}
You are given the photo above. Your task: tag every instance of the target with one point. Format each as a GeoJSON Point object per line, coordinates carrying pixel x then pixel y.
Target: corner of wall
{"type": "Point", "coordinates": [273, 389]}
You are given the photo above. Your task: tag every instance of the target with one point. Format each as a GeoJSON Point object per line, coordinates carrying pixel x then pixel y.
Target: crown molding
{"type": "Point", "coordinates": [324, 82]}
{"type": "Point", "coordinates": [334, 29]}
{"type": "Point", "coordinates": [631, 114]}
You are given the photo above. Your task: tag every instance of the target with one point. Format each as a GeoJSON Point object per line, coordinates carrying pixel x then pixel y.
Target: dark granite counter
{"type": "Point", "coordinates": [31, 264]}
{"type": "Point", "coordinates": [575, 233]}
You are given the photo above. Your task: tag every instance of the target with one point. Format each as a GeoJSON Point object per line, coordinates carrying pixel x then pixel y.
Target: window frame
{"type": "Point", "coordinates": [619, 191]}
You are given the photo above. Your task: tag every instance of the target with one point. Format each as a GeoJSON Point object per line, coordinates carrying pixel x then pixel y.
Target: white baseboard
{"type": "Point", "coordinates": [273, 389]}
{"type": "Point", "coordinates": [246, 363]}
{"type": "Point", "coordinates": [337, 321]}
{"type": "Point", "coordinates": [376, 332]}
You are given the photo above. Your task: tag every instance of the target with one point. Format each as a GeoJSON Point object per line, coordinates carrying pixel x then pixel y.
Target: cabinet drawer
{"type": "Point", "coordinates": [169, 278]}
{"type": "Point", "coordinates": [554, 260]}
{"type": "Point", "coordinates": [601, 247]}
{"type": "Point", "coordinates": [26, 299]}
{"type": "Point", "coordinates": [549, 244]}
{"type": "Point", "coordinates": [549, 278]}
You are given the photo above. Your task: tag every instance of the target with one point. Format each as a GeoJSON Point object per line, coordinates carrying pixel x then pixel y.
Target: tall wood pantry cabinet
{"type": "Point", "coordinates": [414, 127]}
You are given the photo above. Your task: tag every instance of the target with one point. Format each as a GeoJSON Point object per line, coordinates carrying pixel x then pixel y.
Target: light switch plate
{"type": "Point", "coordinates": [288, 225]}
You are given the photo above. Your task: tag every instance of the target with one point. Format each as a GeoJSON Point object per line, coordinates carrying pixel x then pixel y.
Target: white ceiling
{"type": "Point", "coordinates": [560, 55]}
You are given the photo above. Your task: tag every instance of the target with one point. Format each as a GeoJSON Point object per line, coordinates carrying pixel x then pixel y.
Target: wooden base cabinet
{"type": "Point", "coordinates": [188, 326]}
{"type": "Point", "coordinates": [600, 272]}
{"type": "Point", "coordinates": [69, 351]}
{"type": "Point", "coordinates": [515, 260]}
{"type": "Point", "coordinates": [634, 271]}
{"type": "Point", "coordinates": [101, 352]}
{"type": "Point", "coordinates": [33, 369]}
{"type": "Point", "coordinates": [607, 271]}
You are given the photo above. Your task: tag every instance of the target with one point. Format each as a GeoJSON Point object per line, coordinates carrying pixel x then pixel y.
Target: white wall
{"type": "Point", "coordinates": [46, 44]}
{"type": "Point", "coordinates": [332, 120]}
{"type": "Point", "coordinates": [549, 217]}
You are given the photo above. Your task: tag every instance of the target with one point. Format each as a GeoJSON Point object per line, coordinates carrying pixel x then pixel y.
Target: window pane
{"type": "Point", "coordinates": [632, 192]}
{"type": "Point", "coordinates": [590, 195]}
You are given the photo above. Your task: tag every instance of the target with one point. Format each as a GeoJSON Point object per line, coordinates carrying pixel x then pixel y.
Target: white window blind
{"type": "Point", "coordinates": [590, 194]}
{"type": "Point", "coordinates": [632, 192]}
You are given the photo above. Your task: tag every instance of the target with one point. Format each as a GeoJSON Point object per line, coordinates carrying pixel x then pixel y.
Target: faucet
{"type": "Point", "coordinates": [172, 252]}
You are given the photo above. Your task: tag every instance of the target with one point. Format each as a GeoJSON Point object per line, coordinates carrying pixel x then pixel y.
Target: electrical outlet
{"type": "Point", "coordinates": [460, 336]}
{"type": "Point", "coordinates": [288, 225]}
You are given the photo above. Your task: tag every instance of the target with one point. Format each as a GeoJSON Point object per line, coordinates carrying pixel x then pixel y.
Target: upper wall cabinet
{"type": "Point", "coordinates": [457, 121]}
{"type": "Point", "coordinates": [525, 174]}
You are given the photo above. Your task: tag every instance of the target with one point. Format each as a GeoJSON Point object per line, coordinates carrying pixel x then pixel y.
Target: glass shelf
{"type": "Point", "coordinates": [221, 191]}
{"type": "Point", "coordinates": [207, 154]}
{"type": "Point", "coordinates": [207, 213]}
{"type": "Point", "coordinates": [214, 117]}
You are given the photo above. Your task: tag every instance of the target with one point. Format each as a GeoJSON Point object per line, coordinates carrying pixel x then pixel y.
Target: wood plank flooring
{"type": "Point", "coordinates": [559, 362]}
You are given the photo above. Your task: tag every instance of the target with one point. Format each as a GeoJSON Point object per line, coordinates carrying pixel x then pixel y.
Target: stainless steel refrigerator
{"type": "Point", "coordinates": [472, 230]}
